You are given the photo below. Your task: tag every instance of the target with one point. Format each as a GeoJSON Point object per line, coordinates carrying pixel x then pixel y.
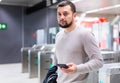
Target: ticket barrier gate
{"type": "Point", "coordinates": [45, 58]}
{"type": "Point", "coordinates": [110, 73]}
{"type": "Point", "coordinates": [118, 56]}
{"type": "Point", "coordinates": [108, 57]}
{"type": "Point", "coordinates": [33, 61]}
{"type": "Point", "coordinates": [24, 55]}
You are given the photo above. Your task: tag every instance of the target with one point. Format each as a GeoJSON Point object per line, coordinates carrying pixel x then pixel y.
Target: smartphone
{"type": "Point", "coordinates": [62, 66]}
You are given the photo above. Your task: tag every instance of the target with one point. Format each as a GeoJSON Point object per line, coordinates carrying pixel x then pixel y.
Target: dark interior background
{"type": "Point", "coordinates": [21, 28]}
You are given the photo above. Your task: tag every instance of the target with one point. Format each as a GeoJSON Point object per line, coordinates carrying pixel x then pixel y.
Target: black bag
{"type": "Point", "coordinates": [51, 76]}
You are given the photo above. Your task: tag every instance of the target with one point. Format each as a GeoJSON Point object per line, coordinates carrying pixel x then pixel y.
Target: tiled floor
{"type": "Point", "coordinates": [11, 73]}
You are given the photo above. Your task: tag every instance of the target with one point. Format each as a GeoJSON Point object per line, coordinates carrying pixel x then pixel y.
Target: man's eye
{"type": "Point", "coordinates": [59, 14]}
{"type": "Point", "coordinates": [65, 14]}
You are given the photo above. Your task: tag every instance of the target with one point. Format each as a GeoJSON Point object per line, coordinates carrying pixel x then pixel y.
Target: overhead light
{"type": "Point", "coordinates": [115, 20]}
{"type": "Point", "coordinates": [98, 10]}
{"type": "Point", "coordinates": [0, 0]}
{"type": "Point", "coordinates": [75, 1]}
{"type": "Point", "coordinates": [54, 1]}
{"type": "Point", "coordinates": [82, 16]}
{"type": "Point", "coordinates": [101, 9]}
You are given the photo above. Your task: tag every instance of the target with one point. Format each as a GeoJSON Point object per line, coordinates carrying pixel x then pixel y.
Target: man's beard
{"type": "Point", "coordinates": [66, 25]}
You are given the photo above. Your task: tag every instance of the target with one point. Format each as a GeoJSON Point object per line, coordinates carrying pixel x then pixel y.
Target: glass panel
{"type": "Point", "coordinates": [52, 34]}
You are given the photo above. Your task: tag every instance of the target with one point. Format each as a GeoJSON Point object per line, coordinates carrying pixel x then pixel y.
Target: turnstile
{"type": "Point", "coordinates": [110, 73]}
{"type": "Point", "coordinates": [45, 59]}
{"type": "Point", "coordinates": [33, 61]}
{"type": "Point", "coordinates": [24, 55]}
{"type": "Point", "coordinates": [118, 56]}
{"type": "Point", "coordinates": [108, 57]}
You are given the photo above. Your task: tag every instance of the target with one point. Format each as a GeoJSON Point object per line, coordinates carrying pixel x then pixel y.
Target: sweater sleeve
{"type": "Point", "coordinates": [54, 59]}
{"type": "Point", "coordinates": [93, 53]}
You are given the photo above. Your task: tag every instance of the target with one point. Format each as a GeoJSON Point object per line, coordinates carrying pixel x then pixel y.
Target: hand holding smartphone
{"type": "Point", "coordinates": [62, 66]}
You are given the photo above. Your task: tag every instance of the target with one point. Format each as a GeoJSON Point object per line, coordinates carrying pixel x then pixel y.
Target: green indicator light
{"type": "Point", "coordinates": [101, 82]}
{"type": "Point", "coordinates": [51, 65]}
{"type": "Point", "coordinates": [37, 61]}
{"type": "Point", "coordinates": [0, 26]}
{"type": "Point", "coordinates": [3, 26]}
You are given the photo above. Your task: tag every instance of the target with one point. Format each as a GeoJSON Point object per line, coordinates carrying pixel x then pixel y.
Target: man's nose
{"type": "Point", "coordinates": [62, 16]}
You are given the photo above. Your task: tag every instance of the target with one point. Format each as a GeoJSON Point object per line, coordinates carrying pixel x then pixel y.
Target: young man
{"type": "Point", "coordinates": [75, 46]}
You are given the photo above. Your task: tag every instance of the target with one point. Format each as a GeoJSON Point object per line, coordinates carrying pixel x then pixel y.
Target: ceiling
{"type": "Point", "coordinates": [83, 6]}
{"type": "Point", "coordinates": [98, 6]}
{"type": "Point", "coordinates": [20, 2]}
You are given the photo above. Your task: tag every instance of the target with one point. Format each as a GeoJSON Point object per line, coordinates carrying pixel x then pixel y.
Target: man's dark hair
{"type": "Point", "coordinates": [65, 3]}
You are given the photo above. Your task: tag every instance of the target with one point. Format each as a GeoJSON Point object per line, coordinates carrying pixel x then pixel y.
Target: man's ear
{"type": "Point", "coordinates": [75, 15]}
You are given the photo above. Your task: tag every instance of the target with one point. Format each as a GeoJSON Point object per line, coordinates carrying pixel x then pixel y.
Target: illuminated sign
{"type": "Point", "coordinates": [3, 26]}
